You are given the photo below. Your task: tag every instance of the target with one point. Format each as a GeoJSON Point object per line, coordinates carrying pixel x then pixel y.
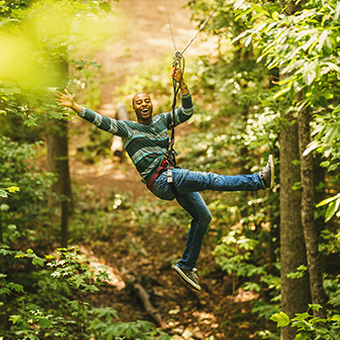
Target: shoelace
{"type": "Point", "coordinates": [193, 275]}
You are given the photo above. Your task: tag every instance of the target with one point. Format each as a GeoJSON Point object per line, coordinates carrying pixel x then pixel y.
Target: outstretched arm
{"type": "Point", "coordinates": [103, 122]}
{"type": "Point", "coordinates": [66, 99]}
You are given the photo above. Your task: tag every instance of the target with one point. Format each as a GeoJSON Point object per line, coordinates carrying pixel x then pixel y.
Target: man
{"type": "Point", "coordinates": [146, 141]}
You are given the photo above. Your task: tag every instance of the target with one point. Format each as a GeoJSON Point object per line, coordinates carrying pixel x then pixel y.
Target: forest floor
{"type": "Point", "coordinates": [214, 313]}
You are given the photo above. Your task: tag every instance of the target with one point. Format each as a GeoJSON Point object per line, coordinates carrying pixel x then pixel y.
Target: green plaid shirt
{"type": "Point", "coordinates": [145, 144]}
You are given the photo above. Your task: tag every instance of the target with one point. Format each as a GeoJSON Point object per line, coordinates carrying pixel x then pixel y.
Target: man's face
{"type": "Point", "coordinates": [143, 107]}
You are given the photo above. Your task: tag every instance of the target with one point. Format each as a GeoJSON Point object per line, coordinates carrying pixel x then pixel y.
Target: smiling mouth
{"type": "Point", "coordinates": [145, 111]}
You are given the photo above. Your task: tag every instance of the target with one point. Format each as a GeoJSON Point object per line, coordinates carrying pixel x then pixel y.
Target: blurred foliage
{"type": "Point", "coordinates": [36, 51]}
{"type": "Point", "coordinates": [24, 214]}
{"type": "Point", "coordinates": [65, 280]}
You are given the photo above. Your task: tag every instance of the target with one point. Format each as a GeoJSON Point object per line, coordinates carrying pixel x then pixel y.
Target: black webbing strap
{"type": "Point", "coordinates": [170, 155]}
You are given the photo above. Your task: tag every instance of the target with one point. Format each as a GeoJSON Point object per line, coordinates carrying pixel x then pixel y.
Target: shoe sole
{"type": "Point", "coordinates": [186, 279]}
{"type": "Point", "coordinates": [272, 171]}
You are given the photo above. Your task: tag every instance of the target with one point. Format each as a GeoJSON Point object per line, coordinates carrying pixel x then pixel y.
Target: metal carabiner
{"type": "Point", "coordinates": [177, 58]}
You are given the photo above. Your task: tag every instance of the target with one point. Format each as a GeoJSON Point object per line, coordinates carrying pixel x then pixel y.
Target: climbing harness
{"type": "Point", "coordinates": [177, 62]}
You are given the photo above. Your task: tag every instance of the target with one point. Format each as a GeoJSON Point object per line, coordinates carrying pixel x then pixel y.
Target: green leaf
{"type": "Point", "coordinates": [333, 167]}
{"type": "Point", "coordinates": [299, 272]}
{"type": "Point", "coordinates": [336, 318]}
{"type": "Point", "coordinates": [328, 200]}
{"type": "Point", "coordinates": [15, 318]}
{"type": "Point", "coordinates": [13, 189]}
{"type": "Point", "coordinates": [309, 77]}
{"type": "Point", "coordinates": [30, 122]}
{"type": "Point", "coordinates": [332, 209]}
{"type": "Point", "coordinates": [282, 319]}
{"type": "Point", "coordinates": [322, 39]}
{"type": "Point", "coordinates": [281, 93]}
{"type": "Point", "coordinates": [301, 316]}
{"type": "Point", "coordinates": [3, 194]}
{"type": "Point", "coordinates": [85, 73]}
{"type": "Point", "coordinates": [303, 336]}
{"type": "Point", "coordinates": [45, 323]}
{"type": "Point", "coordinates": [57, 115]}
{"type": "Point", "coordinates": [314, 306]}
{"type": "Point", "coordinates": [105, 7]}
{"type": "Point", "coordinates": [38, 261]}
{"type": "Point", "coordinates": [312, 146]}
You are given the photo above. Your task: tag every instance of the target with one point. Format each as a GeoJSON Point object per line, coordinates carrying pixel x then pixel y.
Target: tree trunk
{"type": "Point", "coordinates": [57, 155]}
{"type": "Point", "coordinates": [295, 292]}
{"type": "Point", "coordinates": [307, 213]}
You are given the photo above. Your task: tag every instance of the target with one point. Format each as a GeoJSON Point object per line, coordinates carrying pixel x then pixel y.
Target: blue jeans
{"type": "Point", "coordinates": [188, 184]}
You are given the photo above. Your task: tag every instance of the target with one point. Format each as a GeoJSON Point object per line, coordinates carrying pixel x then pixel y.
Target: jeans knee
{"type": "Point", "coordinates": [206, 217]}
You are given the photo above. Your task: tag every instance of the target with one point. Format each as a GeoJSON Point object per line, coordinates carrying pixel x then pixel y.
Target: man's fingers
{"type": "Point", "coordinates": [173, 71]}
{"type": "Point", "coordinates": [68, 93]}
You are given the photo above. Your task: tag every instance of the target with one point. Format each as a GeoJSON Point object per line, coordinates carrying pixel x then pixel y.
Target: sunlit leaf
{"type": "Point", "coordinates": [238, 3]}
{"type": "Point", "coordinates": [328, 200]}
{"type": "Point", "coordinates": [3, 194]}
{"type": "Point", "coordinates": [332, 209]}
{"type": "Point", "coordinates": [105, 7]}
{"type": "Point", "coordinates": [315, 306]}
{"type": "Point", "coordinates": [13, 189]}
{"type": "Point", "coordinates": [282, 319]}
{"type": "Point", "coordinates": [336, 317]}
{"type": "Point", "coordinates": [312, 146]}
{"type": "Point", "coordinates": [301, 316]}
{"type": "Point", "coordinates": [31, 122]}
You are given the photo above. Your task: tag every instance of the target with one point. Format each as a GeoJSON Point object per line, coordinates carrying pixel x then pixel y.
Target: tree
{"type": "Point", "coordinates": [31, 30]}
{"type": "Point", "coordinates": [295, 293]}
{"type": "Point", "coordinates": [307, 212]}
{"type": "Point", "coordinates": [302, 43]}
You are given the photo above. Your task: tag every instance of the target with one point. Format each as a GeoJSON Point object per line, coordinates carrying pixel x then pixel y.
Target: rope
{"type": "Point", "coordinates": [204, 23]}
{"type": "Point", "coordinates": [200, 29]}
{"type": "Point", "coordinates": [169, 23]}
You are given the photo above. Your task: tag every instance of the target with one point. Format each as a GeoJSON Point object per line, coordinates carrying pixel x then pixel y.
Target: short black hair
{"type": "Point", "coordinates": [133, 99]}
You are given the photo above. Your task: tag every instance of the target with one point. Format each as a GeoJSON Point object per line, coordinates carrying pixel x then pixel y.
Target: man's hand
{"type": "Point", "coordinates": [66, 99]}
{"type": "Point", "coordinates": [178, 77]}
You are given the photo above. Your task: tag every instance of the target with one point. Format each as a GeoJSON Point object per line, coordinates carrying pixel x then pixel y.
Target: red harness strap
{"type": "Point", "coordinates": [163, 167]}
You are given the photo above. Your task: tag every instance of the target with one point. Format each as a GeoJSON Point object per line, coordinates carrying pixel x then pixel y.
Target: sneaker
{"type": "Point", "coordinates": [268, 173]}
{"type": "Point", "coordinates": [189, 276]}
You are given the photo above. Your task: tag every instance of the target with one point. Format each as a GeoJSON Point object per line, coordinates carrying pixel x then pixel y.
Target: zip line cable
{"type": "Point", "coordinates": [179, 54]}
{"type": "Point", "coordinates": [202, 26]}
{"type": "Point", "coordinates": [169, 23]}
